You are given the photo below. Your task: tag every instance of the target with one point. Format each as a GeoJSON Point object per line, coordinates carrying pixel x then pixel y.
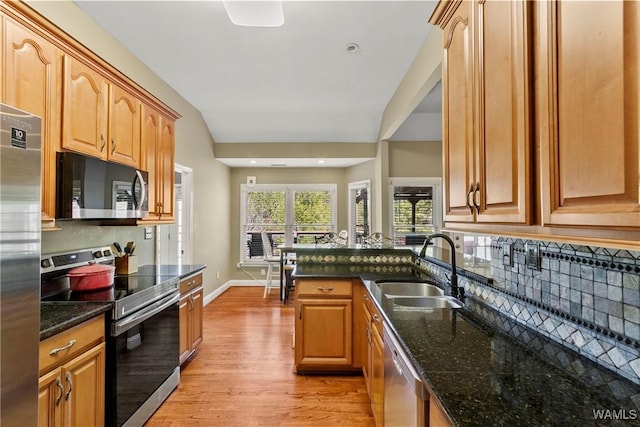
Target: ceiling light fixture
{"type": "Point", "coordinates": [264, 13]}
{"type": "Point", "coordinates": [321, 161]}
{"type": "Point", "coordinates": [253, 162]}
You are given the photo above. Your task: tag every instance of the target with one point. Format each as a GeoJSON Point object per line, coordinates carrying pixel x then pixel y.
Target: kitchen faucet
{"type": "Point", "coordinates": [456, 292]}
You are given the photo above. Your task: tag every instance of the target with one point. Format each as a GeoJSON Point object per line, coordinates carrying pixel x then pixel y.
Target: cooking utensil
{"type": "Point", "coordinates": [130, 248]}
{"type": "Point", "coordinates": [118, 248]}
{"type": "Point", "coordinates": [115, 250]}
{"type": "Point", "coordinates": [91, 277]}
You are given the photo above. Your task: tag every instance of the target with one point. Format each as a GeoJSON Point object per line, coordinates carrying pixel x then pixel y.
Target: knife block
{"type": "Point", "coordinates": [127, 264]}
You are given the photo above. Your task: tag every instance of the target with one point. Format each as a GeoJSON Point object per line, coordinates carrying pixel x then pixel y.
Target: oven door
{"type": "Point", "coordinates": [142, 362]}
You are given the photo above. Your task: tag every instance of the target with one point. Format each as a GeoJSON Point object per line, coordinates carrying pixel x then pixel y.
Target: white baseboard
{"type": "Point", "coordinates": [218, 291]}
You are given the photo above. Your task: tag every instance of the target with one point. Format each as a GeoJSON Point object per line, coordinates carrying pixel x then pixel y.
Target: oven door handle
{"type": "Point", "coordinates": [144, 314]}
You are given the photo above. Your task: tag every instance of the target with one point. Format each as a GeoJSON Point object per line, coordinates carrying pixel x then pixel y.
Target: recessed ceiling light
{"type": "Point", "coordinates": [266, 13]}
{"type": "Point", "coordinates": [352, 47]}
{"type": "Point", "coordinates": [253, 162]}
{"type": "Point", "coordinates": [321, 161]}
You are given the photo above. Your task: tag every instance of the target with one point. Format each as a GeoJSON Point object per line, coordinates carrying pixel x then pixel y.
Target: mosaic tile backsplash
{"type": "Point", "coordinates": [586, 298]}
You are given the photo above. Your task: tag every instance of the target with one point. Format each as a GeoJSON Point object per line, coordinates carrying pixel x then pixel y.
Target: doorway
{"type": "Point", "coordinates": [174, 242]}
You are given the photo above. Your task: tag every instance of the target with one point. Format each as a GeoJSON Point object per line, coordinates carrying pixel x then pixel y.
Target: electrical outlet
{"type": "Point", "coordinates": [507, 254]}
{"type": "Point", "coordinates": [263, 272]}
{"type": "Point", "coordinates": [148, 233]}
{"type": "Point", "coordinates": [532, 256]}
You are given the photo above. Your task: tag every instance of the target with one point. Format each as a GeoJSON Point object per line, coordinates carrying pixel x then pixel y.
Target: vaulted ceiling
{"type": "Point", "coordinates": [294, 83]}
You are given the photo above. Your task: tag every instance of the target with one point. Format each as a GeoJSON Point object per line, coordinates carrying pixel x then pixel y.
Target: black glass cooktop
{"type": "Point", "coordinates": [123, 286]}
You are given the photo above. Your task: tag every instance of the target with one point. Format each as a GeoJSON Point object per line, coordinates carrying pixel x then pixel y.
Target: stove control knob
{"type": "Point", "coordinates": [45, 263]}
{"type": "Point", "coordinates": [97, 254]}
{"type": "Point", "coordinates": [107, 252]}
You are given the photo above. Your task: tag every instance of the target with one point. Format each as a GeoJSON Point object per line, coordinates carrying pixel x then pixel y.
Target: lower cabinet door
{"type": "Point", "coordinates": [185, 336]}
{"type": "Point", "coordinates": [323, 333]}
{"type": "Point", "coordinates": [197, 314]}
{"type": "Point", "coordinates": [73, 395]}
{"type": "Point", "coordinates": [50, 399]}
{"type": "Point", "coordinates": [84, 382]}
{"type": "Point", "coordinates": [377, 376]}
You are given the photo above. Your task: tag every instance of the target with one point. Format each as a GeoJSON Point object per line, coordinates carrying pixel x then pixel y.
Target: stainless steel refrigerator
{"type": "Point", "coordinates": [20, 147]}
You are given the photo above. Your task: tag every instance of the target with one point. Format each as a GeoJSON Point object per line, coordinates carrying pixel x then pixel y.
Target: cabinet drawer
{"type": "Point", "coordinates": [192, 282]}
{"type": "Point", "coordinates": [60, 348]}
{"type": "Point", "coordinates": [324, 288]}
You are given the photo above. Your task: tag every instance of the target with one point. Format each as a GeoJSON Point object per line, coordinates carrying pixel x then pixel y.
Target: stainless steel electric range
{"type": "Point", "coordinates": [142, 344]}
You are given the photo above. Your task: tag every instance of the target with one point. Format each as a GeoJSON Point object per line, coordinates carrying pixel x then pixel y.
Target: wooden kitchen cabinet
{"type": "Point", "coordinates": [191, 312]}
{"type": "Point", "coordinates": [486, 111]}
{"type": "Point", "coordinates": [324, 325]}
{"type": "Point", "coordinates": [158, 140]}
{"type": "Point", "coordinates": [85, 109]}
{"type": "Point", "coordinates": [32, 81]}
{"type": "Point", "coordinates": [437, 416]}
{"type": "Point", "coordinates": [100, 119]}
{"type": "Point", "coordinates": [72, 376]}
{"type": "Point", "coordinates": [124, 127]}
{"type": "Point", "coordinates": [373, 367]}
{"type": "Point", "coordinates": [587, 112]}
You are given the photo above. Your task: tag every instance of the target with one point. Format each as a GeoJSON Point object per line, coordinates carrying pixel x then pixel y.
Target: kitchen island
{"type": "Point", "coordinates": [484, 368]}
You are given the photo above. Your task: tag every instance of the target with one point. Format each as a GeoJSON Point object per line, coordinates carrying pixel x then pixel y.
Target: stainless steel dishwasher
{"type": "Point", "coordinates": [405, 397]}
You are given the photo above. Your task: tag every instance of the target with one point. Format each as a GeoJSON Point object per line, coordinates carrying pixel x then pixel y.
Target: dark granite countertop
{"type": "Point", "coordinates": [57, 316]}
{"type": "Point", "coordinates": [485, 376]}
{"type": "Point", "coordinates": [180, 270]}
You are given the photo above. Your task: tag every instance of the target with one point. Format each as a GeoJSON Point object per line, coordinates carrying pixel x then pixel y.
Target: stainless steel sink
{"type": "Point", "coordinates": [428, 302]}
{"type": "Point", "coordinates": [409, 289]}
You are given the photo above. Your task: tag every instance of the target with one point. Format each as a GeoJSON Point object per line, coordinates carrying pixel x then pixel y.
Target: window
{"type": "Point", "coordinates": [359, 210]}
{"type": "Point", "coordinates": [416, 210]}
{"type": "Point", "coordinates": [288, 213]}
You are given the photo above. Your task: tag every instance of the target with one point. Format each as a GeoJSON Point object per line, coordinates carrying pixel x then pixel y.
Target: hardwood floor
{"type": "Point", "coordinates": [243, 373]}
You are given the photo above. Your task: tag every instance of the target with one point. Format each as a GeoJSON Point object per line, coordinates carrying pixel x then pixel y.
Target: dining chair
{"type": "Point", "coordinates": [273, 264]}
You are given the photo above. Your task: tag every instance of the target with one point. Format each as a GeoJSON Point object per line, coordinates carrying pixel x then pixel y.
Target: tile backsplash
{"type": "Point", "coordinates": [586, 298]}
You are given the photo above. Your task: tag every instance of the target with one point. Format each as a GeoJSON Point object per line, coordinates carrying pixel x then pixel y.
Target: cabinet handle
{"type": "Point", "coordinates": [113, 146]}
{"type": "Point", "coordinates": [323, 289]}
{"type": "Point", "coordinates": [366, 298]}
{"type": "Point", "coordinates": [469, 193]}
{"type": "Point", "coordinates": [300, 313]}
{"type": "Point", "coordinates": [104, 142]}
{"type": "Point", "coordinates": [376, 318]}
{"type": "Point", "coordinates": [59, 385]}
{"type": "Point", "coordinates": [68, 378]}
{"type": "Point", "coordinates": [64, 347]}
{"type": "Point", "coordinates": [476, 193]}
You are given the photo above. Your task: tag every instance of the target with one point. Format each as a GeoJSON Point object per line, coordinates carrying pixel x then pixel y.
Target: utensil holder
{"type": "Point", "coordinates": [127, 264]}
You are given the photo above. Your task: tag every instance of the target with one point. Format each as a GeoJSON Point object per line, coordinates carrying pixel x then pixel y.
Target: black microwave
{"type": "Point", "coordinates": [90, 188]}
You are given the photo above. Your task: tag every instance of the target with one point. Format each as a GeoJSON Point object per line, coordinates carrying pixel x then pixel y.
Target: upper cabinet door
{"type": "Point", "coordinates": [165, 157]}
{"type": "Point", "coordinates": [150, 135]}
{"type": "Point", "coordinates": [457, 114]}
{"type": "Point", "coordinates": [503, 140]}
{"type": "Point", "coordinates": [85, 107]}
{"type": "Point", "coordinates": [589, 120]}
{"type": "Point", "coordinates": [486, 111]}
{"type": "Point", "coordinates": [124, 128]}
{"type": "Point", "coordinates": [31, 82]}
